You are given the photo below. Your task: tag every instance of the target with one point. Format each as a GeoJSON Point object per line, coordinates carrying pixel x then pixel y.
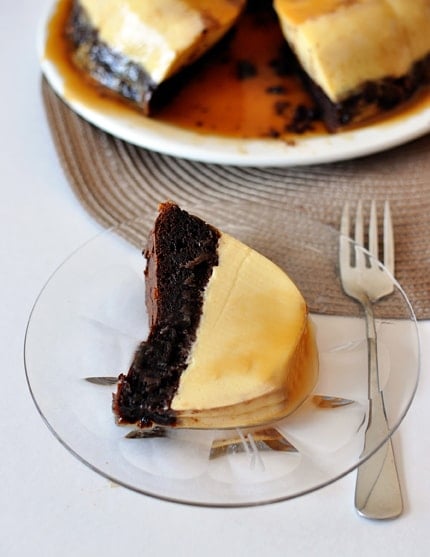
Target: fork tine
{"type": "Point", "coordinates": [360, 256]}
{"type": "Point", "coordinates": [373, 231]}
{"type": "Point", "coordinates": [388, 239]}
{"type": "Point", "coordinates": [344, 222]}
{"type": "Point", "coordinates": [359, 234]}
{"type": "Point", "coordinates": [345, 243]}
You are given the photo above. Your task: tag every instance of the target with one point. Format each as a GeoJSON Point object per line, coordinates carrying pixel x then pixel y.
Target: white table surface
{"type": "Point", "coordinates": [53, 505]}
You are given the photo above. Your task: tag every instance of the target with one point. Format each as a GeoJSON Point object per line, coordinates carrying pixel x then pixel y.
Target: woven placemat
{"type": "Point", "coordinates": [117, 181]}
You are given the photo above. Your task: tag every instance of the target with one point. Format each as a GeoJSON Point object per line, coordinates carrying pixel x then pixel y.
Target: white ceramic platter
{"type": "Point", "coordinates": [168, 139]}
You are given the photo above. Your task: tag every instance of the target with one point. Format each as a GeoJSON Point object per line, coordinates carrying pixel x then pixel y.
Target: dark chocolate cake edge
{"type": "Point", "coordinates": [181, 255]}
{"type": "Point", "coordinates": [375, 98]}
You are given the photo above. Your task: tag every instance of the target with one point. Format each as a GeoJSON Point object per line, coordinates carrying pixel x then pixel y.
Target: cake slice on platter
{"type": "Point", "coordinates": [359, 58]}
{"type": "Point", "coordinates": [230, 341]}
{"type": "Point", "coordinates": [132, 48]}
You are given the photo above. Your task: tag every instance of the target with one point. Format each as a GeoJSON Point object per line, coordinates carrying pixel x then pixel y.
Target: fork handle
{"type": "Point", "coordinates": [377, 492]}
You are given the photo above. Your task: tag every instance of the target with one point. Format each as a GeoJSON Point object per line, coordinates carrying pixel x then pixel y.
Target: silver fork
{"type": "Point", "coordinates": [377, 493]}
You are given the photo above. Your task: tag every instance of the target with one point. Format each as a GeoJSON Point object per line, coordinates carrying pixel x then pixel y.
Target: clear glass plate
{"type": "Point", "coordinates": [90, 316]}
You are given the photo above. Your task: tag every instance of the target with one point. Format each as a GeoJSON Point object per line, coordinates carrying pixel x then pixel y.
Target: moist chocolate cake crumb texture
{"type": "Point", "coordinates": [181, 253]}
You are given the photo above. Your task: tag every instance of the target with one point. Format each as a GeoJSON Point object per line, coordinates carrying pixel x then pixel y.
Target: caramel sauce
{"type": "Point", "coordinates": [238, 91]}
{"type": "Point", "coordinates": [241, 90]}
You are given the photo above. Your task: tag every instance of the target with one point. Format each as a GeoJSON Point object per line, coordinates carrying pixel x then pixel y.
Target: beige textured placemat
{"type": "Point", "coordinates": [116, 181]}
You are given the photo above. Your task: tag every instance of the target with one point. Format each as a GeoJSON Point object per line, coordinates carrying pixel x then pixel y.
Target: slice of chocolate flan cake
{"type": "Point", "coordinates": [230, 342]}
{"type": "Point", "coordinates": [134, 48]}
{"type": "Point", "coordinates": [359, 58]}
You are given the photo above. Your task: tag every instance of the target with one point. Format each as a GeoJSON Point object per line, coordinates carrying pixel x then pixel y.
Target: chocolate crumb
{"type": "Point", "coordinates": [276, 90]}
{"type": "Point", "coordinates": [302, 119]}
{"type": "Point", "coordinates": [273, 133]}
{"type": "Point", "coordinates": [245, 69]}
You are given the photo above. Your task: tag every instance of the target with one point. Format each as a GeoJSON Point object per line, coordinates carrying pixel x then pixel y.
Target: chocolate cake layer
{"type": "Point", "coordinates": [374, 98]}
{"type": "Point", "coordinates": [181, 254]}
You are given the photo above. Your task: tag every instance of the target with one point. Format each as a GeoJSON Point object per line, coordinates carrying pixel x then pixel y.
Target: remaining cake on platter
{"type": "Point", "coordinates": [358, 58]}
{"type": "Point", "coordinates": [230, 341]}
{"type": "Point", "coordinates": [134, 47]}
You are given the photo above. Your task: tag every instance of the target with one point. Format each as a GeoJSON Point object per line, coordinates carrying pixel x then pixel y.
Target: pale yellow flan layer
{"type": "Point", "coordinates": [342, 44]}
{"type": "Point", "coordinates": [162, 35]}
{"type": "Point", "coordinates": [254, 359]}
